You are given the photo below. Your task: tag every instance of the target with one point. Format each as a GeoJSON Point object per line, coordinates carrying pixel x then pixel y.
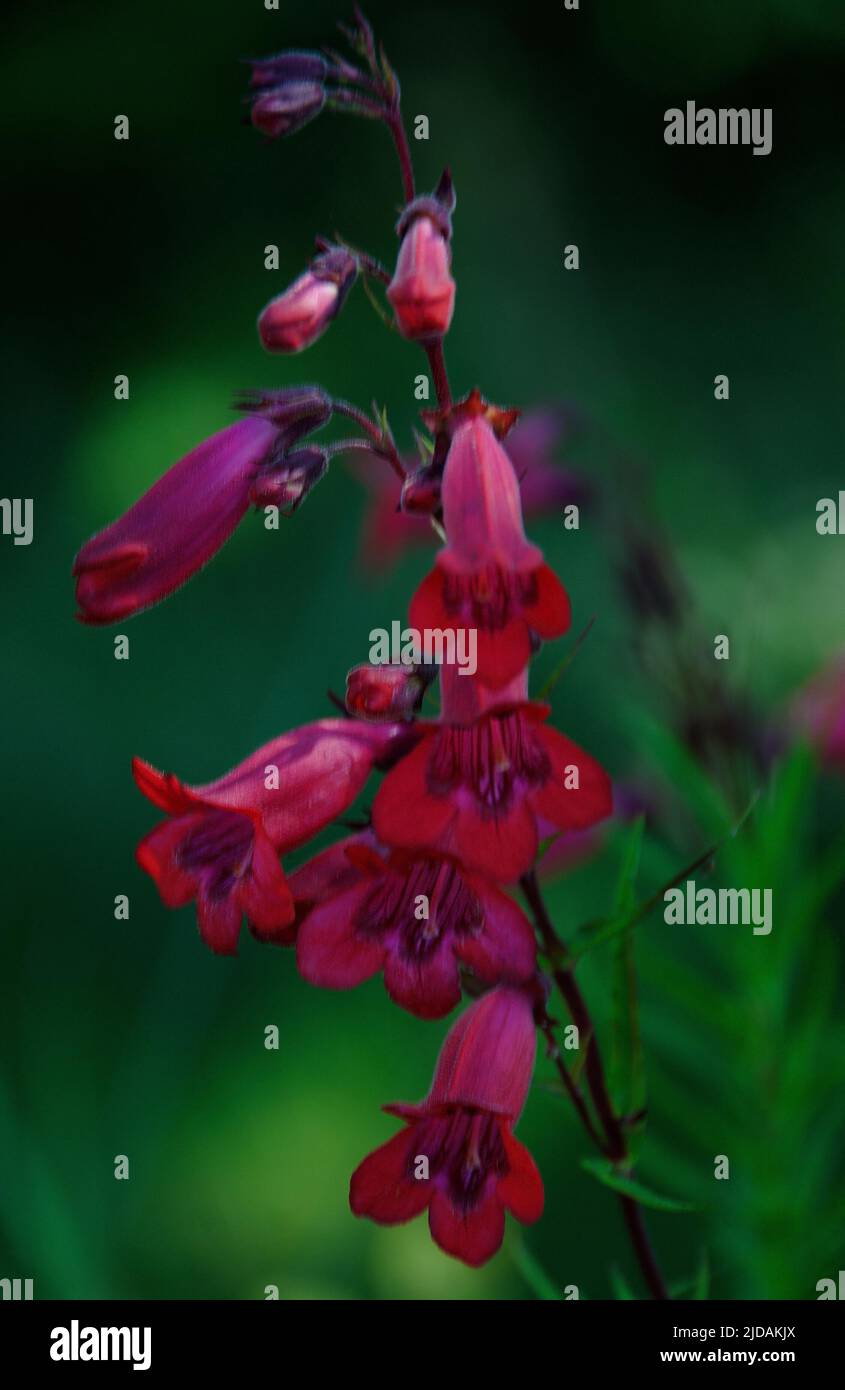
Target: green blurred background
{"type": "Point", "coordinates": [146, 257]}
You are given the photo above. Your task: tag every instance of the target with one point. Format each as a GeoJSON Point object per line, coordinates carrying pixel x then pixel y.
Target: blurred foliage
{"type": "Point", "coordinates": [148, 258]}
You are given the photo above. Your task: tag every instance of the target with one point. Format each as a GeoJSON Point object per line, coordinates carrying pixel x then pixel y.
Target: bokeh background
{"type": "Point", "coordinates": [146, 257]}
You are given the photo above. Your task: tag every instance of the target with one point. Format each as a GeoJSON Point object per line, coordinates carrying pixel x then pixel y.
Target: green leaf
{"type": "Point", "coordinates": [601, 929]}
{"type": "Point", "coordinates": [621, 1288]}
{"type": "Point", "coordinates": [606, 1172]}
{"type": "Point", "coordinates": [532, 1271]}
{"type": "Point", "coordinates": [701, 1291]}
{"type": "Point", "coordinates": [548, 685]}
{"type": "Point", "coordinates": [698, 1287]}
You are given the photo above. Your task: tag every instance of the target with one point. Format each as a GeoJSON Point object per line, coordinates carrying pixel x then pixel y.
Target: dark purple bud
{"type": "Point", "coordinates": [295, 412]}
{"type": "Point", "coordinates": [282, 110]}
{"type": "Point", "coordinates": [285, 484]}
{"type": "Point", "coordinates": [292, 66]}
{"type": "Point", "coordinates": [421, 492]}
{"type": "Point", "coordinates": [651, 582]}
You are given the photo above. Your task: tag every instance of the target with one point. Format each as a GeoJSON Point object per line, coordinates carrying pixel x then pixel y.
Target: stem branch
{"type": "Point", "coordinates": [616, 1145]}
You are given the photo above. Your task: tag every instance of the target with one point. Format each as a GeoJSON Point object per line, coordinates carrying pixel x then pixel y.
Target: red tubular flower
{"type": "Point", "coordinates": [422, 290]}
{"type": "Point", "coordinates": [184, 518]}
{"type": "Point", "coordinates": [474, 1169]}
{"type": "Point", "coordinates": [489, 577]}
{"type": "Point", "coordinates": [222, 840]}
{"type": "Point", "coordinates": [418, 917]}
{"type": "Point", "coordinates": [488, 791]}
{"type": "Point", "coordinates": [298, 317]}
{"type": "Point", "coordinates": [397, 515]}
{"type": "Point", "coordinates": [175, 528]}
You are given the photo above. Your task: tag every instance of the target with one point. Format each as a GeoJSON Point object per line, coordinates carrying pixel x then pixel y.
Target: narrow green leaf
{"type": "Point", "coordinates": [605, 1172]}
{"type": "Point", "coordinates": [621, 1288]}
{"type": "Point", "coordinates": [601, 929]}
{"type": "Point", "coordinates": [532, 1271]}
{"type": "Point", "coordinates": [548, 685]}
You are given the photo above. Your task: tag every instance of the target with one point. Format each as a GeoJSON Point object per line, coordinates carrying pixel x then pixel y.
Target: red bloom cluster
{"type": "Point", "coordinates": [421, 893]}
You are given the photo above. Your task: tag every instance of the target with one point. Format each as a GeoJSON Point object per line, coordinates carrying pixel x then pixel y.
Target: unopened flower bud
{"type": "Point", "coordinates": [291, 66]}
{"type": "Point", "coordinates": [286, 109]}
{"type": "Point", "coordinates": [422, 290]}
{"type": "Point", "coordinates": [421, 492]}
{"type": "Point", "coordinates": [286, 484]}
{"type": "Point", "coordinates": [384, 692]}
{"type": "Point", "coordinates": [298, 317]}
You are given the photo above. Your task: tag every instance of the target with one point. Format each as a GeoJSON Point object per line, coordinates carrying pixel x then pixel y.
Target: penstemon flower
{"type": "Point", "coordinates": [420, 891]}
{"type": "Point", "coordinates": [457, 1156]}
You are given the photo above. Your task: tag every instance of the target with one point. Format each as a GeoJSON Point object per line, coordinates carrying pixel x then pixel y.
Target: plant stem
{"type": "Point", "coordinates": [382, 444]}
{"type": "Point", "coordinates": [615, 1146]}
{"type": "Point", "coordinates": [437, 363]}
{"type": "Point", "coordinates": [396, 126]}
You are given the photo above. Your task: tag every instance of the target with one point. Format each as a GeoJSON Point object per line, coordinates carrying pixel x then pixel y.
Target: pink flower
{"type": "Point", "coordinates": [486, 792]}
{"type": "Point", "coordinates": [819, 712]}
{"type": "Point", "coordinates": [544, 485]}
{"type": "Point", "coordinates": [175, 528]}
{"type": "Point", "coordinates": [489, 577]}
{"type": "Point", "coordinates": [298, 317]}
{"type": "Point", "coordinates": [457, 1155]}
{"type": "Point", "coordinates": [184, 518]}
{"type": "Point", "coordinates": [422, 290]}
{"type": "Point", "coordinates": [221, 842]}
{"type": "Point", "coordinates": [417, 916]}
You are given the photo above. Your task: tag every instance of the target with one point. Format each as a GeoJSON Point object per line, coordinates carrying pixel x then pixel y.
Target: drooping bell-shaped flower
{"type": "Point", "coordinates": [489, 790]}
{"type": "Point", "coordinates": [457, 1155]}
{"type": "Point", "coordinates": [184, 518]}
{"type": "Point", "coordinates": [221, 841]}
{"type": "Point", "coordinates": [417, 916]}
{"type": "Point", "coordinates": [489, 577]}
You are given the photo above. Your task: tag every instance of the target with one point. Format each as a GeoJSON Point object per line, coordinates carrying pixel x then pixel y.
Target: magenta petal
{"type": "Point", "coordinates": [505, 948]}
{"type": "Point", "coordinates": [220, 923]}
{"type": "Point", "coordinates": [482, 506]}
{"type": "Point", "coordinates": [383, 1186]}
{"type": "Point", "coordinates": [473, 1236]}
{"type": "Point", "coordinates": [265, 895]}
{"type": "Point", "coordinates": [428, 988]}
{"type": "Point", "coordinates": [304, 779]}
{"type": "Point", "coordinates": [331, 871]}
{"type": "Point", "coordinates": [488, 1056]}
{"type": "Point", "coordinates": [330, 951]}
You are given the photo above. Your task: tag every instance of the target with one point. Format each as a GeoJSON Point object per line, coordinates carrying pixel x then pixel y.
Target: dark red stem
{"type": "Point", "coordinates": [437, 363]}
{"type": "Point", "coordinates": [615, 1146]}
